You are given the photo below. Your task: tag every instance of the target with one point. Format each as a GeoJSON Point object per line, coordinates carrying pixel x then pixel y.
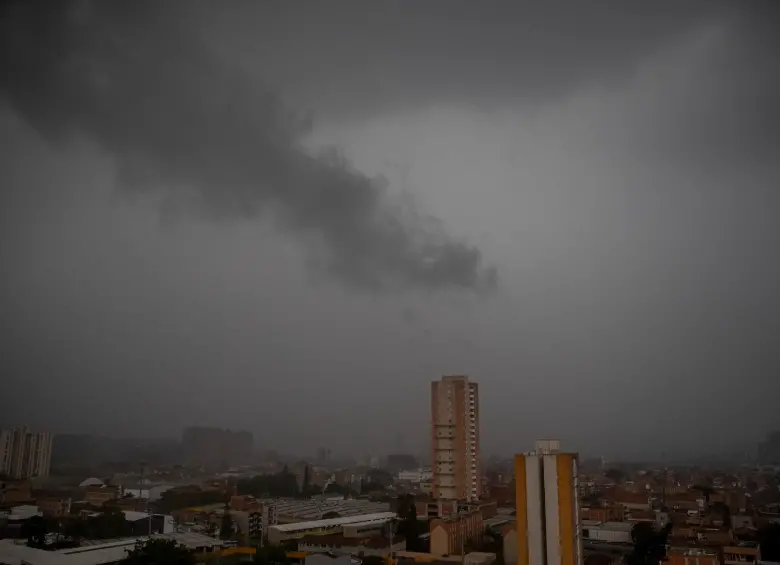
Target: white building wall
{"type": "Point", "coordinates": [534, 509]}
{"type": "Point", "coordinates": [580, 555]}
{"type": "Point", "coordinates": [551, 508]}
{"type": "Point", "coordinates": [607, 535]}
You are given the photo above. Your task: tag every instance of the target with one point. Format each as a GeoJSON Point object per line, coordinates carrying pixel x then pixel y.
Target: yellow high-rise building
{"type": "Point", "coordinates": [548, 518]}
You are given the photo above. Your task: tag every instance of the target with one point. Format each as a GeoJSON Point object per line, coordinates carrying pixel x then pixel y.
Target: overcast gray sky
{"type": "Point", "coordinates": [291, 216]}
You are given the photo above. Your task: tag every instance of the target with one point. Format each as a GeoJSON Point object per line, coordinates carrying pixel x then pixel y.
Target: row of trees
{"type": "Point", "coordinates": [278, 485]}
{"type": "Point", "coordinates": [66, 532]}
{"type": "Point", "coordinates": [159, 551]}
{"type": "Point", "coordinates": [174, 499]}
{"type": "Point", "coordinates": [283, 485]}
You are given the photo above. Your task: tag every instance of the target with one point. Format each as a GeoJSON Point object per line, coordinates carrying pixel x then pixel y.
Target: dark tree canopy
{"type": "Point", "coordinates": [408, 525]}
{"type": "Point", "coordinates": [769, 538]}
{"type": "Point", "coordinates": [226, 529]}
{"type": "Point", "coordinates": [283, 485]}
{"type": "Point", "coordinates": [616, 475]}
{"type": "Point", "coordinates": [271, 555]}
{"type": "Point", "coordinates": [159, 552]}
{"type": "Point", "coordinates": [649, 544]}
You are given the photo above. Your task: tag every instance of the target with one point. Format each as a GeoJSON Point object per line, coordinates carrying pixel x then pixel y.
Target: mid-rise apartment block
{"type": "Point", "coordinates": [548, 520]}
{"type": "Point", "coordinates": [455, 439]}
{"type": "Point", "coordinates": [25, 454]}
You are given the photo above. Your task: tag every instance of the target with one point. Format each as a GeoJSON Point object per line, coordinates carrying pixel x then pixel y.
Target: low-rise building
{"type": "Point", "coordinates": [329, 559]}
{"type": "Point", "coordinates": [606, 532]}
{"type": "Point", "coordinates": [99, 495]}
{"type": "Point", "coordinates": [21, 513]}
{"type": "Point", "coordinates": [145, 491]}
{"type": "Point", "coordinates": [54, 507]}
{"type": "Point", "coordinates": [357, 546]}
{"type": "Point", "coordinates": [509, 543]}
{"type": "Point", "coordinates": [454, 533]}
{"type": "Point", "coordinates": [283, 532]}
{"type": "Point", "coordinates": [144, 523]}
{"type": "Point", "coordinates": [288, 511]}
{"type": "Point", "coordinates": [682, 555]}
{"type": "Point", "coordinates": [443, 508]}
{"type": "Point", "coordinates": [15, 492]}
{"type": "Point", "coordinates": [744, 553]}
{"type": "Point", "coordinates": [611, 513]}
{"type": "Point", "coordinates": [416, 475]}
{"type": "Point", "coordinates": [104, 553]}
{"type": "Point", "coordinates": [632, 500]}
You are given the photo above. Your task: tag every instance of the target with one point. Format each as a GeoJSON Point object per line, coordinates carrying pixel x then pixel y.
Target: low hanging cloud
{"type": "Point", "coordinates": [136, 80]}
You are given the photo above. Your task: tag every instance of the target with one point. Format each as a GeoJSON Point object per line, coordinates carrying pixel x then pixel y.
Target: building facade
{"type": "Point", "coordinates": [455, 533]}
{"type": "Point", "coordinates": [548, 521]}
{"type": "Point", "coordinates": [24, 453]}
{"type": "Point", "coordinates": [455, 439]}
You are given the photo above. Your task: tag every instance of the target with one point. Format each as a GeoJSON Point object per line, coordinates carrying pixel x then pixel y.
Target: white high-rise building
{"type": "Point", "coordinates": [548, 514]}
{"type": "Point", "coordinates": [455, 439]}
{"type": "Point", "coordinates": [25, 454]}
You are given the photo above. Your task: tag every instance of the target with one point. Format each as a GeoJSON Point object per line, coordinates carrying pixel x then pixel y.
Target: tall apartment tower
{"type": "Point", "coordinates": [455, 439]}
{"type": "Point", "coordinates": [25, 454]}
{"type": "Point", "coordinates": [548, 517]}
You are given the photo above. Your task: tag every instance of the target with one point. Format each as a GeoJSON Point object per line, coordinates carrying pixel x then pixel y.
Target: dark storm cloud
{"type": "Point", "coordinates": [722, 113]}
{"type": "Point", "coordinates": [136, 79]}
{"type": "Point", "coordinates": [366, 57]}
{"type": "Point", "coordinates": [407, 53]}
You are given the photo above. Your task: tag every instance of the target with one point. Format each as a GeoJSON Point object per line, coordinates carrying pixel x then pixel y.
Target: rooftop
{"type": "Point", "coordinates": [94, 554]}
{"type": "Point", "coordinates": [622, 526]}
{"type": "Point", "coordinates": [300, 510]}
{"type": "Point", "coordinates": [338, 540]}
{"type": "Point", "coordinates": [363, 518]}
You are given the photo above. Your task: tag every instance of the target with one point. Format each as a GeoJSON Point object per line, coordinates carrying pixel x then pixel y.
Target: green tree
{"type": "Point", "coordinates": [35, 530]}
{"type": "Point", "coordinates": [306, 486]}
{"type": "Point", "coordinates": [211, 529]}
{"type": "Point", "coordinates": [271, 555]}
{"type": "Point", "coordinates": [706, 491]}
{"type": "Point", "coordinates": [769, 539]}
{"type": "Point", "coordinates": [281, 485]}
{"type": "Point", "coordinates": [649, 544]}
{"type": "Point", "coordinates": [617, 475]}
{"type": "Point", "coordinates": [159, 552]}
{"type": "Point", "coordinates": [174, 499]}
{"type": "Point", "coordinates": [493, 542]}
{"type": "Point", "coordinates": [110, 523]}
{"type": "Point", "coordinates": [75, 529]}
{"type": "Point", "coordinates": [408, 525]}
{"type": "Point", "coordinates": [721, 509]}
{"type": "Point", "coordinates": [226, 529]}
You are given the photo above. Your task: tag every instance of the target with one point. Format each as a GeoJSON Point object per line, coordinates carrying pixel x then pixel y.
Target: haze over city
{"type": "Point", "coordinates": [289, 218]}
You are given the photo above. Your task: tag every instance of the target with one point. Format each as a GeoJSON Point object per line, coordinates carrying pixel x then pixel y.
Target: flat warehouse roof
{"type": "Point", "coordinates": [363, 518]}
